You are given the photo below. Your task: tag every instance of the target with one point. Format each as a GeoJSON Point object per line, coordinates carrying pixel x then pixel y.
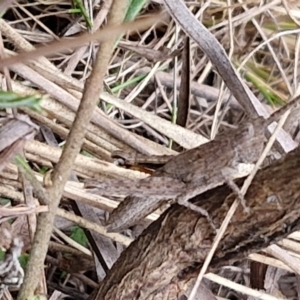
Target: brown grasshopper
{"type": "Point", "coordinates": [190, 173]}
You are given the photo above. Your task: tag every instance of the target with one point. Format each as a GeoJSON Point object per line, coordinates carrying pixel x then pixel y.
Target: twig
{"type": "Point", "coordinates": [101, 35]}
{"type": "Point", "coordinates": [71, 242]}
{"type": "Point", "coordinates": [117, 237]}
{"type": "Point", "coordinates": [39, 191]}
{"type": "Point", "coordinates": [62, 170]}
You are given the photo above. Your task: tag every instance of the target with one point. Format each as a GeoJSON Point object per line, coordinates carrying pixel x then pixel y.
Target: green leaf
{"type": "Point", "coordinates": [43, 169]}
{"type": "Point", "coordinates": [79, 236]}
{"type": "Point", "coordinates": [2, 253]}
{"type": "Point", "coordinates": [4, 201]}
{"type": "Point", "coordinates": [23, 259]}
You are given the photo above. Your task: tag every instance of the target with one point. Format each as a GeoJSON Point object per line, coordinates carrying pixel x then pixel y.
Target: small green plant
{"type": "Point", "coordinates": [80, 9]}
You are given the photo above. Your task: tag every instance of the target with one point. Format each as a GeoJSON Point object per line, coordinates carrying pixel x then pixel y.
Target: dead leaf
{"type": "Point", "coordinates": [13, 135]}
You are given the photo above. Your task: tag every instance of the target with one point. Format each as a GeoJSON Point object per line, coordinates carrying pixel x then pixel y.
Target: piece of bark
{"type": "Point", "coordinates": [164, 259]}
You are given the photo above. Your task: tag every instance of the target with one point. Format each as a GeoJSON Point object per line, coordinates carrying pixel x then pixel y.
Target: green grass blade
{"type": "Point", "coordinates": [12, 100]}
{"type": "Point", "coordinates": [133, 9]}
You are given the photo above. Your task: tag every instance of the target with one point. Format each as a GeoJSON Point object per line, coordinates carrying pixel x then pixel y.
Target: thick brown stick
{"type": "Point", "coordinates": [162, 260]}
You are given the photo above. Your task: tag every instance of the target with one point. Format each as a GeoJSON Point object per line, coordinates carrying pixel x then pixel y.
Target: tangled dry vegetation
{"type": "Point", "coordinates": [145, 105]}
